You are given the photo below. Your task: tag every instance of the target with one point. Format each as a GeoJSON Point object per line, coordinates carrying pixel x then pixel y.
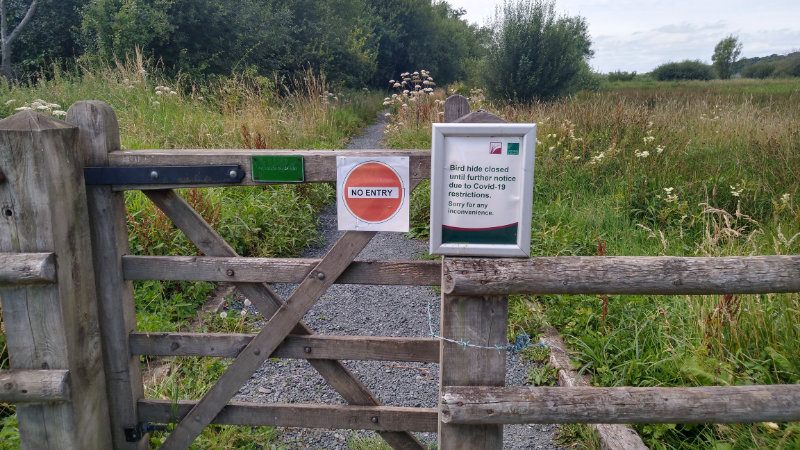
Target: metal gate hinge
{"type": "Point", "coordinates": [164, 175]}
{"type": "Point", "coordinates": [135, 434]}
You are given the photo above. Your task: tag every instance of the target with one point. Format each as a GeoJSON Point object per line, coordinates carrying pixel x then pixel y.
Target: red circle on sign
{"type": "Point", "coordinates": [373, 192]}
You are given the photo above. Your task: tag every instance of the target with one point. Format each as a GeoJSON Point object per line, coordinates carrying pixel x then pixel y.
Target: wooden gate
{"type": "Point", "coordinates": [473, 402]}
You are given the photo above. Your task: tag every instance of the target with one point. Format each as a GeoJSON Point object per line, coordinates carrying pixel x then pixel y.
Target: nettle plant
{"type": "Point", "coordinates": [415, 101]}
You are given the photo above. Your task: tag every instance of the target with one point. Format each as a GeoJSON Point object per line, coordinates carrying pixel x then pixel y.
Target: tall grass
{"type": "Point", "coordinates": [685, 169]}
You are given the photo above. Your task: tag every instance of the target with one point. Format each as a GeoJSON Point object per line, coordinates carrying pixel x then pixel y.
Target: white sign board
{"type": "Point", "coordinates": [481, 189]}
{"type": "Point", "coordinates": [372, 193]}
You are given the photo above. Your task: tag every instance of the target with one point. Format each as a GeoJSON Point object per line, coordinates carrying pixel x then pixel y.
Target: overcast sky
{"type": "Point", "coordinates": [642, 34]}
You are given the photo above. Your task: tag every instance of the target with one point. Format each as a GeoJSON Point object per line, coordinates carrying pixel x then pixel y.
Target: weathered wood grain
{"type": "Point", "coordinates": [658, 275]}
{"type": "Point", "coordinates": [356, 348]}
{"type": "Point", "coordinates": [31, 386]}
{"type": "Point", "coordinates": [98, 134]}
{"type": "Point", "coordinates": [53, 326]}
{"type": "Point", "coordinates": [268, 339]}
{"type": "Point", "coordinates": [276, 270]}
{"type": "Point", "coordinates": [480, 116]}
{"type": "Point", "coordinates": [27, 268]}
{"type": "Point", "coordinates": [341, 379]}
{"type": "Point", "coordinates": [379, 418]}
{"type": "Point", "coordinates": [711, 404]}
{"type": "Point", "coordinates": [319, 165]}
{"type": "Point", "coordinates": [455, 107]}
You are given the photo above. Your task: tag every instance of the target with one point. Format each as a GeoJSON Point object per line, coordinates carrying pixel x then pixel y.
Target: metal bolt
{"type": "Point", "coordinates": [154, 175]}
{"type": "Point", "coordinates": [229, 272]}
{"type": "Point", "coordinates": [490, 411]}
{"type": "Point", "coordinates": [460, 403]}
{"type": "Point", "coordinates": [233, 174]}
{"type": "Point", "coordinates": [320, 275]}
{"type": "Point", "coordinates": [307, 349]}
{"type": "Point", "coordinates": [374, 419]}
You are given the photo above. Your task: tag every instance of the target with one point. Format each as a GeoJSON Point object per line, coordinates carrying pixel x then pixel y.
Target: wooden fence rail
{"type": "Point", "coordinates": [709, 404]}
{"type": "Point", "coordinates": [27, 268]}
{"type": "Point", "coordinates": [34, 386]}
{"type": "Point", "coordinates": [658, 275]}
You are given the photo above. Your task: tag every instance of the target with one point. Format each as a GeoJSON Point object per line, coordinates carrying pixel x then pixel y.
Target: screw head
{"type": "Point", "coordinates": [374, 419]}
{"type": "Point", "coordinates": [320, 275]}
{"type": "Point", "coordinates": [229, 272]}
{"type": "Point", "coordinates": [307, 349]}
{"type": "Point", "coordinates": [154, 175]}
{"type": "Point", "coordinates": [233, 174]}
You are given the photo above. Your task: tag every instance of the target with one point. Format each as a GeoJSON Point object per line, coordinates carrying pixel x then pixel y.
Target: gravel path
{"type": "Point", "coordinates": [375, 311]}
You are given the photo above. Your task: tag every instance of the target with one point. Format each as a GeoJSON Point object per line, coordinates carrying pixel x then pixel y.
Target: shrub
{"type": "Point", "coordinates": [685, 70]}
{"type": "Point", "coordinates": [534, 53]}
{"type": "Point", "coordinates": [619, 75]}
{"type": "Point", "coordinates": [759, 70]}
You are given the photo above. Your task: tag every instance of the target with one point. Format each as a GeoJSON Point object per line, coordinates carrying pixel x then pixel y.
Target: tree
{"type": "Point", "coordinates": [535, 54]}
{"type": "Point", "coordinates": [684, 70]}
{"type": "Point", "coordinates": [725, 54]}
{"type": "Point", "coordinates": [7, 39]}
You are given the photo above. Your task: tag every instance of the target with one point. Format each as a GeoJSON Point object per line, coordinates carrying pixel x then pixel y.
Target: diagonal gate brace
{"type": "Point", "coordinates": [267, 301]}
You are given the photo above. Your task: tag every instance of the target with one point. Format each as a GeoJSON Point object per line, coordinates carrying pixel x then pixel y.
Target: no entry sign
{"type": "Point", "coordinates": [372, 193]}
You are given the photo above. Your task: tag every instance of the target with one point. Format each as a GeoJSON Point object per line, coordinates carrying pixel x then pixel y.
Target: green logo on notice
{"type": "Point", "coordinates": [513, 148]}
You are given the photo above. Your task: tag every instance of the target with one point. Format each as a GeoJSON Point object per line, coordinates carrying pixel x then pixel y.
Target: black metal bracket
{"type": "Point", "coordinates": [135, 434]}
{"type": "Point", "coordinates": [164, 175]}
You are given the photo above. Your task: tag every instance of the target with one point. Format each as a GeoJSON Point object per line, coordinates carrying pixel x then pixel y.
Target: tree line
{"type": "Point", "coordinates": [528, 51]}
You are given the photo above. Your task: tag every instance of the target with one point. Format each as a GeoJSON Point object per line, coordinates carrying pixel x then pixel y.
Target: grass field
{"type": "Point", "coordinates": [685, 169]}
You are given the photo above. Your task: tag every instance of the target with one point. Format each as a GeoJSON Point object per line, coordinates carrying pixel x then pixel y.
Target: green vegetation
{"type": "Point", "coordinates": [725, 54]}
{"type": "Point", "coordinates": [685, 70]}
{"type": "Point", "coordinates": [534, 53]}
{"type": "Point", "coordinates": [676, 168]}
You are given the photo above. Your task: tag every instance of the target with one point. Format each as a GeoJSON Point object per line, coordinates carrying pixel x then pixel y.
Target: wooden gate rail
{"type": "Point", "coordinates": [349, 348]}
{"type": "Point", "coordinates": [276, 270]}
{"type": "Point", "coordinates": [658, 275]}
{"type": "Point", "coordinates": [377, 418]}
{"type": "Point", "coordinates": [319, 165]}
{"type": "Point", "coordinates": [708, 404]}
{"type": "Point", "coordinates": [29, 268]}
{"type": "Point", "coordinates": [34, 386]}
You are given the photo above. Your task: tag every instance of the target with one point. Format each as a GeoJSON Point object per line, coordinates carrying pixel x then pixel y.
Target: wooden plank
{"type": "Point", "coordinates": [26, 386]}
{"type": "Point", "coordinates": [53, 326]}
{"type": "Point", "coordinates": [276, 270]}
{"type": "Point", "coordinates": [355, 348]}
{"type": "Point", "coordinates": [455, 107]}
{"type": "Point", "coordinates": [319, 165]}
{"type": "Point", "coordinates": [340, 378]}
{"type": "Point", "coordinates": [268, 339]}
{"type": "Point", "coordinates": [479, 116]}
{"type": "Point", "coordinates": [658, 275]}
{"type": "Point", "coordinates": [98, 134]}
{"type": "Point", "coordinates": [614, 436]}
{"type": "Point", "coordinates": [27, 268]}
{"type": "Point", "coordinates": [709, 404]}
{"type": "Point", "coordinates": [479, 321]}
{"type": "Point", "coordinates": [379, 418]}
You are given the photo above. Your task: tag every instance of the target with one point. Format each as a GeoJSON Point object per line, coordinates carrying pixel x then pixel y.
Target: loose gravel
{"type": "Point", "coordinates": [371, 311]}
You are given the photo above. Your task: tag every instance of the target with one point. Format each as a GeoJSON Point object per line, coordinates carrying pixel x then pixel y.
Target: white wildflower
{"type": "Point", "coordinates": [648, 139]}
{"type": "Point", "coordinates": [23, 108]}
{"type": "Point", "coordinates": [786, 198]}
{"type": "Point", "coordinates": [243, 313]}
{"type": "Point", "coordinates": [598, 158]}
{"type": "Point", "coordinates": [9, 102]}
{"type": "Point", "coordinates": [659, 149]}
{"type": "Point", "coordinates": [736, 191]}
{"type": "Point", "coordinates": [201, 98]}
{"type": "Point", "coordinates": [54, 106]}
{"type": "Point", "coordinates": [159, 93]}
{"type": "Point", "coordinates": [43, 107]}
{"type": "Point", "coordinates": [551, 148]}
{"type": "Point", "coordinates": [156, 103]}
{"type": "Point", "coordinates": [125, 81]}
{"type": "Point", "coordinates": [60, 113]}
{"type": "Point", "coordinates": [575, 158]}
{"type": "Point", "coordinates": [669, 190]}
{"type": "Point", "coordinates": [172, 93]}
{"type": "Point", "coordinates": [247, 302]}
{"type": "Point", "coordinates": [640, 154]}
{"type": "Point", "coordinates": [223, 315]}
{"type": "Point", "coordinates": [671, 198]}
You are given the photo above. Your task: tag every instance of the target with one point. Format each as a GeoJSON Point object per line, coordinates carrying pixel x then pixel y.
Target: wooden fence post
{"type": "Point", "coordinates": [479, 321]}
{"type": "Point", "coordinates": [52, 326]}
{"type": "Point", "coordinates": [98, 134]}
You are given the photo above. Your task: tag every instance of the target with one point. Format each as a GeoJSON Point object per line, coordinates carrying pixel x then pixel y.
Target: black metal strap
{"type": "Point", "coordinates": [164, 175]}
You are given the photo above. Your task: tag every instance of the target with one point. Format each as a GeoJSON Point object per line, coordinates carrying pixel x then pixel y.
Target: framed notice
{"type": "Point", "coordinates": [481, 189]}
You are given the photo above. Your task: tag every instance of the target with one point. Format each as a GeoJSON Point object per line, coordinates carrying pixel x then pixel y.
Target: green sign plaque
{"type": "Point", "coordinates": [277, 168]}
